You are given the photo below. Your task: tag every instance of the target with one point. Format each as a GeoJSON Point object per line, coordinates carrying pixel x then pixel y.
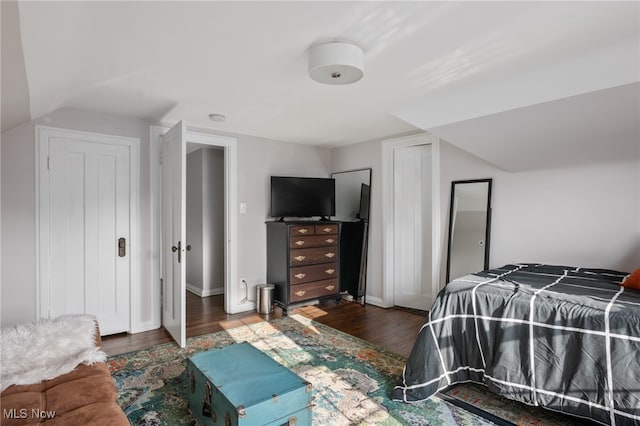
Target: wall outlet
{"type": "Point", "coordinates": [245, 286]}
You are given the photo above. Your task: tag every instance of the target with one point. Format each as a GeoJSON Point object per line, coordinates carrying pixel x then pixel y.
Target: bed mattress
{"type": "Point", "coordinates": [564, 338]}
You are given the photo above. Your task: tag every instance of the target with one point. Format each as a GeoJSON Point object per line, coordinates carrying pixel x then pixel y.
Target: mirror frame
{"type": "Point", "coordinates": [364, 256]}
{"type": "Point", "coordinates": [333, 176]}
{"type": "Point", "coordinates": [489, 181]}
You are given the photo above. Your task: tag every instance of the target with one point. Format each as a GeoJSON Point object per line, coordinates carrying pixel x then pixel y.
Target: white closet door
{"type": "Point", "coordinates": [413, 227]}
{"type": "Point", "coordinates": [89, 213]}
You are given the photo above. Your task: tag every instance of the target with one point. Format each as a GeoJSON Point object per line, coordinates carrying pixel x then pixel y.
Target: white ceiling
{"type": "Point", "coordinates": [494, 78]}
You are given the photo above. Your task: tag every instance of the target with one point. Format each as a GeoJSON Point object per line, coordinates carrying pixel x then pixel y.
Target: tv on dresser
{"type": "Point", "coordinates": [303, 260]}
{"type": "Point", "coordinates": [302, 197]}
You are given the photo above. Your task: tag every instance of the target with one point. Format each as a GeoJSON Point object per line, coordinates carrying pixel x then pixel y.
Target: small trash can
{"type": "Point", "coordinates": [264, 298]}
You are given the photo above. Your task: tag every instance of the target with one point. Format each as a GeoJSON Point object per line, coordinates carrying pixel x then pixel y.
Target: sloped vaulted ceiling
{"type": "Point", "coordinates": [495, 78]}
{"type": "Point", "coordinates": [596, 127]}
{"type": "Point", "coordinates": [14, 90]}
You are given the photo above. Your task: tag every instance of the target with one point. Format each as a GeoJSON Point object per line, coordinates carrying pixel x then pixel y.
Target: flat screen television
{"type": "Point", "coordinates": [302, 197]}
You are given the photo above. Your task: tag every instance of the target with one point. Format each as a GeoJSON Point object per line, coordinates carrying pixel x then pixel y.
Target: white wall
{"type": "Point", "coordinates": [213, 221]}
{"type": "Point", "coordinates": [583, 216]}
{"type": "Point", "coordinates": [579, 216]}
{"type": "Point", "coordinates": [258, 160]}
{"type": "Point", "coordinates": [18, 225]}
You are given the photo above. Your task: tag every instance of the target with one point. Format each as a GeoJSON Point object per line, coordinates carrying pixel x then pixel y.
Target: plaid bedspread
{"type": "Point", "coordinates": [560, 337]}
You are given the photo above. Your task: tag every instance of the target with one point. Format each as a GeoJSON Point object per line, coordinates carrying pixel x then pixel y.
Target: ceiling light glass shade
{"type": "Point", "coordinates": [336, 63]}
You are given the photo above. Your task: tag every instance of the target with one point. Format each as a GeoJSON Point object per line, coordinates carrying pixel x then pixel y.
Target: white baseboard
{"type": "Point", "coordinates": [204, 293]}
{"type": "Point", "coordinates": [213, 291]}
{"type": "Point", "coordinates": [144, 326]}
{"type": "Point", "coordinates": [243, 307]}
{"type": "Point", "coordinates": [376, 301]}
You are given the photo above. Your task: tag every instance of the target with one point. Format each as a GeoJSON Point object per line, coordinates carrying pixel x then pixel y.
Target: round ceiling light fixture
{"type": "Point", "coordinates": [336, 63]}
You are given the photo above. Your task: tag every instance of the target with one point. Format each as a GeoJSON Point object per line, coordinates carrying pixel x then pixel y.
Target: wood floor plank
{"type": "Point", "coordinates": [392, 329]}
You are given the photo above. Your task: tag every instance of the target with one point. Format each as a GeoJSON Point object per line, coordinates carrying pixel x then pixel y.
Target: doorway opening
{"type": "Point", "coordinates": [205, 266]}
{"type": "Point", "coordinates": [194, 140]}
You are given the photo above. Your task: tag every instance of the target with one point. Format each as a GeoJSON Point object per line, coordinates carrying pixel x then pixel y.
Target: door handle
{"type": "Point", "coordinates": [122, 247]}
{"type": "Point", "coordinates": [179, 250]}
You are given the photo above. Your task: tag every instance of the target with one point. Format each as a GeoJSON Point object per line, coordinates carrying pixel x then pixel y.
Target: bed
{"type": "Point", "coordinates": [564, 338]}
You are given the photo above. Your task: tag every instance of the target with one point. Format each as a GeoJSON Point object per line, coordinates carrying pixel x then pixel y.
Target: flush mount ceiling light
{"type": "Point", "coordinates": [217, 117]}
{"type": "Point", "coordinates": [336, 63]}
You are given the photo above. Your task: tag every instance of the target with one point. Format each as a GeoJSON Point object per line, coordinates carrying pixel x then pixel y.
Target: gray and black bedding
{"type": "Point", "coordinates": [564, 338]}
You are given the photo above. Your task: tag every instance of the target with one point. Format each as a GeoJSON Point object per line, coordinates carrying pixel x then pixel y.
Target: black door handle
{"type": "Point", "coordinates": [122, 247]}
{"type": "Point", "coordinates": [179, 250]}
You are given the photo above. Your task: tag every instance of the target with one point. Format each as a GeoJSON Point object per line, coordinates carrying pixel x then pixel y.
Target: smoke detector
{"type": "Point", "coordinates": [217, 117]}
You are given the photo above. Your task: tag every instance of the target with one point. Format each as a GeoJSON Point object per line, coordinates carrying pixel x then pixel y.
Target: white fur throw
{"type": "Point", "coordinates": [30, 353]}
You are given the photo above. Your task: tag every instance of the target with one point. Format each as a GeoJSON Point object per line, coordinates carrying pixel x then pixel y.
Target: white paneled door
{"type": "Point", "coordinates": [174, 249]}
{"type": "Point", "coordinates": [85, 227]}
{"type": "Point", "coordinates": [412, 215]}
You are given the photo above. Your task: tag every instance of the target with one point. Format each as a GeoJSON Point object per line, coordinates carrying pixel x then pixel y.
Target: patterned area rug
{"type": "Point", "coordinates": [351, 379]}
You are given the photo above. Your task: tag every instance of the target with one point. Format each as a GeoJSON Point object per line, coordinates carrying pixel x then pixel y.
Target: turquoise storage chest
{"type": "Point", "coordinates": [239, 385]}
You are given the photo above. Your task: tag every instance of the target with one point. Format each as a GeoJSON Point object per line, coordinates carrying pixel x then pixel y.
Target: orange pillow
{"type": "Point", "coordinates": [633, 280]}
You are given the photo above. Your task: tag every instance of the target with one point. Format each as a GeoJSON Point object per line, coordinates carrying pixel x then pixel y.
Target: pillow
{"type": "Point", "coordinates": [633, 280]}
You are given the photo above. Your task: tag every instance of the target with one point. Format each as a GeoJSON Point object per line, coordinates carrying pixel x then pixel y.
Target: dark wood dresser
{"type": "Point", "coordinates": [303, 261]}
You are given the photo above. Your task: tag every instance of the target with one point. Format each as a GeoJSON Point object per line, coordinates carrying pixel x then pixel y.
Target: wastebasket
{"type": "Point", "coordinates": [264, 298]}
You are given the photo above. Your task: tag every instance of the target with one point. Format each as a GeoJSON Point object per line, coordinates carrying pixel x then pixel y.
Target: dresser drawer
{"type": "Point", "coordinates": [326, 229]}
{"type": "Point", "coordinates": [302, 230]}
{"type": "Point", "coordinates": [309, 256]}
{"type": "Point", "coordinates": [313, 241]}
{"type": "Point", "coordinates": [304, 274]}
{"type": "Point", "coordinates": [313, 290]}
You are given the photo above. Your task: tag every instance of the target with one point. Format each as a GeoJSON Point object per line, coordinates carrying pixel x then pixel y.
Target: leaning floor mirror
{"type": "Point", "coordinates": [469, 227]}
{"type": "Point", "coordinates": [353, 189]}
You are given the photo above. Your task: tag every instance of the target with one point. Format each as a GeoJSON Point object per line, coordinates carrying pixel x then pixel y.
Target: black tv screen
{"type": "Point", "coordinates": [302, 197]}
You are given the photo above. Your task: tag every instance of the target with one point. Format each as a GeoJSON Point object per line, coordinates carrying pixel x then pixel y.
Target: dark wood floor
{"type": "Point", "coordinates": [393, 329]}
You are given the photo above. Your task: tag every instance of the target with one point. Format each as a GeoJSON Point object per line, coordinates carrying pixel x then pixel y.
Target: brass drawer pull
{"type": "Point", "coordinates": [300, 258]}
{"type": "Point", "coordinates": [329, 240]}
{"type": "Point", "coordinates": [329, 255]}
{"type": "Point", "coordinates": [300, 293]}
{"type": "Point", "coordinates": [299, 243]}
{"type": "Point", "coordinates": [300, 275]}
{"type": "Point", "coordinates": [327, 230]}
{"type": "Point", "coordinates": [303, 231]}
{"type": "Point", "coordinates": [330, 287]}
{"type": "Point", "coordinates": [329, 271]}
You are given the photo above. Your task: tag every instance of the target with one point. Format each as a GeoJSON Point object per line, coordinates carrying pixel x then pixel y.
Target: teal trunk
{"type": "Point", "coordinates": [239, 385]}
